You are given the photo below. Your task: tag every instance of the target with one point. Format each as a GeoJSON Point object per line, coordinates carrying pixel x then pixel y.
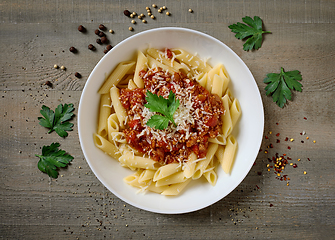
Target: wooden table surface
{"type": "Point", "coordinates": [35, 35]}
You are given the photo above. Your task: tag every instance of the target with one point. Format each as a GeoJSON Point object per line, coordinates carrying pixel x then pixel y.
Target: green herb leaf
{"type": "Point", "coordinates": [166, 107]}
{"type": "Point", "coordinates": [51, 159]}
{"type": "Point", "coordinates": [57, 120]}
{"type": "Point", "coordinates": [280, 85]}
{"type": "Point", "coordinates": [253, 31]}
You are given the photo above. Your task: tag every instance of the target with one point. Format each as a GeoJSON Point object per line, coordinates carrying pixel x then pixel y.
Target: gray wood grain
{"type": "Point", "coordinates": [35, 35]}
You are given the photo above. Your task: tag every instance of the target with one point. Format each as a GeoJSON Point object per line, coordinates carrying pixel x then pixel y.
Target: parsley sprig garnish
{"type": "Point", "coordinates": [253, 31]}
{"type": "Point", "coordinates": [166, 107]}
{"type": "Point", "coordinates": [280, 85]}
{"type": "Point", "coordinates": [53, 158]}
{"type": "Point", "coordinates": [57, 120]}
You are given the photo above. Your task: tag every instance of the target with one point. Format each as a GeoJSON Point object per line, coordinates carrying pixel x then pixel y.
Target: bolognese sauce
{"type": "Point", "coordinates": [198, 117]}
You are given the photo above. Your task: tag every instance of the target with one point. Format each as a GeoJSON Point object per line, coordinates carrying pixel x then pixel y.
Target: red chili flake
{"type": "Point", "coordinates": [286, 139]}
{"type": "Point", "coordinates": [295, 166]}
{"type": "Point", "coordinates": [284, 154]}
{"type": "Point", "coordinates": [308, 159]}
{"type": "Point", "coordinates": [288, 147]}
{"type": "Point", "coordinates": [257, 187]}
{"type": "Point", "coordinates": [254, 164]}
{"type": "Point", "coordinates": [285, 177]}
{"type": "Point", "coordinates": [300, 133]}
{"type": "Point", "coordinates": [271, 205]}
{"type": "Point", "coordinates": [259, 173]}
{"type": "Point", "coordinates": [266, 137]}
{"type": "Point", "coordinates": [288, 158]}
{"type": "Point", "coordinates": [271, 146]}
{"type": "Point", "coordinates": [278, 141]}
{"type": "Point", "coordinates": [302, 141]}
{"type": "Point", "coordinates": [260, 150]}
{"type": "Point", "coordinates": [277, 123]}
{"type": "Point", "coordinates": [305, 118]}
{"type": "Point", "coordinates": [277, 134]}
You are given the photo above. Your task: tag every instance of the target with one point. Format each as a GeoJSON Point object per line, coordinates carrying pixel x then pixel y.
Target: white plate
{"type": "Point", "coordinates": [249, 132]}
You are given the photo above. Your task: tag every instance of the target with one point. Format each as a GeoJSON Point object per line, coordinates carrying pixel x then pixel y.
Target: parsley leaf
{"type": "Point", "coordinates": [57, 120]}
{"type": "Point", "coordinates": [166, 107]}
{"type": "Point", "coordinates": [280, 85]}
{"type": "Point", "coordinates": [52, 158]}
{"type": "Point", "coordinates": [253, 32]}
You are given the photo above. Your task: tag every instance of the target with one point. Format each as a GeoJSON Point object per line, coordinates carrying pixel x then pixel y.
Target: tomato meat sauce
{"type": "Point", "coordinates": [198, 117]}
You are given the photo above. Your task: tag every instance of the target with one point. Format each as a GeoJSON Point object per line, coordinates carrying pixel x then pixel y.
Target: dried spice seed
{"type": "Point", "coordinates": [130, 29]}
{"type": "Point", "coordinates": [111, 31]}
{"type": "Point", "coordinates": [91, 47]}
{"type": "Point", "coordinates": [190, 10]}
{"type": "Point", "coordinates": [109, 47]}
{"type": "Point", "coordinates": [126, 13]}
{"type": "Point", "coordinates": [102, 34]}
{"type": "Point", "coordinates": [55, 66]}
{"type": "Point", "coordinates": [144, 21]}
{"type": "Point", "coordinates": [102, 27]}
{"type": "Point", "coordinates": [78, 75]}
{"type": "Point", "coordinates": [81, 28]}
{"type": "Point", "coordinates": [105, 51]}
{"type": "Point", "coordinates": [62, 67]}
{"type": "Point", "coordinates": [305, 172]}
{"type": "Point", "coordinates": [295, 166]}
{"type": "Point", "coordinates": [168, 13]}
{"type": "Point", "coordinates": [48, 83]}
{"type": "Point", "coordinates": [152, 16]}
{"type": "Point", "coordinates": [154, 5]}
{"type": "Point", "coordinates": [73, 49]}
{"type": "Point", "coordinates": [104, 40]}
{"type": "Point", "coordinates": [99, 41]}
{"type": "Point", "coordinates": [96, 31]}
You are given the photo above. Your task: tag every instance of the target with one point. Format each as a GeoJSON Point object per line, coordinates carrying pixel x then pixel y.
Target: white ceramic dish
{"type": "Point", "coordinates": [199, 194]}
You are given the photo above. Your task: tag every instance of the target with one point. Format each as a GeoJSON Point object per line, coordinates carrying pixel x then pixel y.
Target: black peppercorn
{"type": "Point", "coordinates": [91, 47]}
{"type": "Point", "coordinates": [101, 34]}
{"type": "Point", "coordinates": [109, 47]}
{"type": "Point", "coordinates": [105, 51]}
{"type": "Point", "coordinates": [96, 31]}
{"type": "Point", "coordinates": [102, 27]}
{"type": "Point", "coordinates": [81, 28]}
{"type": "Point", "coordinates": [73, 49]}
{"type": "Point", "coordinates": [48, 83]}
{"type": "Point", "coordinates": [127, 13]}
{"type": "Point", "coordinates": [104, 40]}
{"type": "Point", "coordinates": [98, 41]}
{"type": "Point", "coordinates": [78, 75]}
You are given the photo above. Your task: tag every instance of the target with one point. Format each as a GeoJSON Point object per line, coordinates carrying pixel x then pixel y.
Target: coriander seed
{"type": "Point", "coordinates": [152, 16]}
{"type": "Point", "coordinates": [154, 5]}
{"type": "Point", "coordinates": [131, 15]}
{"type": "Point", "coordinates": [144, 21]}
{"type": "Point", "coordinates": [130, 29]}
{"type": "Point", "coordinates": [55, 66]}
{"type": "Point", "coordinates": [111, 31]}
{"type": "Point", "coordinates": [190, 10]}
{"type": "Point", "coordinates": [168, 13]}
{"type": "Point", "coordinates": [164, 7]}
{"type": "Point", "coordinates": [133, 21]}
{"type": "Point", "coordinates": [62, 67]}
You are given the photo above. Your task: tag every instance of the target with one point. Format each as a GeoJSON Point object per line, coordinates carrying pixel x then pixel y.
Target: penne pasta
{"type": "Point", "coordinates": [116, 76]}
{"type": "Point", "coordinates": [229, 154]}
{"type": "Point", "coordinates": [106, 146]}
{"type": "Point", "coordinates": [119, 109]}
{"type": "Point", "coordinates": [202, 165]}
{"type": "Point", "coordinates": [141, 64]}
{"type": "Point", "coordinates": [104, 112]}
